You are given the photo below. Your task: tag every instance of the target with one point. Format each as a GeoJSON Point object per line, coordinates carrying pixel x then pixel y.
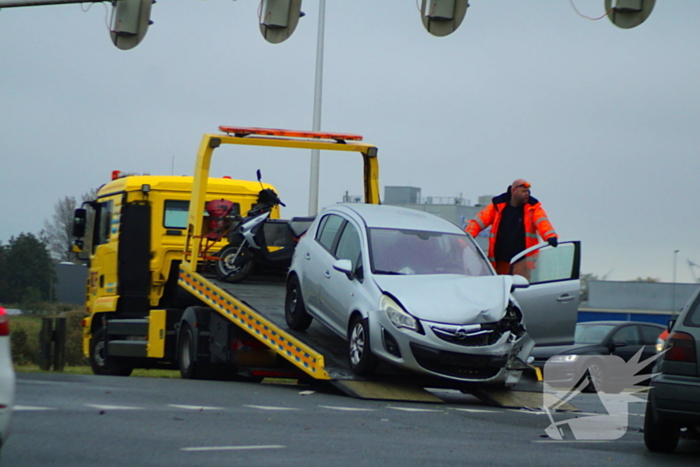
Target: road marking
{"type": "Point", "coordinates": [411, 409]}
{"type": "Point", "coordinates": [266, 407]}
{"type": "Point", "coordinates": [562, 441]}
{"type": "Point", "coordinates": [347, 409]}
{"type": "Point", "coordinates": [231, 448]}
{"type": "Point", "coordinates": [30, 407]}
{"type": "Point", "coordinates": [533, 412]}
{"type": "Point", "coordinates": [113, 407]}
{"type": "Point", "coordinates": [194, 407]}
{"type": "Point", "coordinates": [477, 410]}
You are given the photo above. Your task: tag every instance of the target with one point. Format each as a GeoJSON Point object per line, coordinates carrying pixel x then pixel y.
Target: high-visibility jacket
{"type": "Point", "coordinates": [534, 218]}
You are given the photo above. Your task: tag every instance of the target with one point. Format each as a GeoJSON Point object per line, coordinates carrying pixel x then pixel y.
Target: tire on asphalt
{"type": "Point", "coordinates": [102, 364]}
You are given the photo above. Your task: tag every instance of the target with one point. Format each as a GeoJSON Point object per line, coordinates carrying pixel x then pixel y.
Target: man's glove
{"type": "Point", "coordinates": [552, 241]}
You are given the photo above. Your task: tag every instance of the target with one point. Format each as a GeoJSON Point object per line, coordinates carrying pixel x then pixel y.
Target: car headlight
{"type": "Point", "coordinates": [660, 344]}
{"type": "Point", "coordinates": [396, 314]}
{"type": "Point", "coordinates": [563, 359]}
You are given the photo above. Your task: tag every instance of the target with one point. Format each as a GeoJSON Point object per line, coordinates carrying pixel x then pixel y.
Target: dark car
{"type": "Point", "coordinates": [621, 338]}
{"type": "Point", "coordinates": [673, 405]}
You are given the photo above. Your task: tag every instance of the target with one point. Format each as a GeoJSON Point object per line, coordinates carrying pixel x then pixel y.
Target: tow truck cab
{"type": "Point", "coordinates": [134, 234]}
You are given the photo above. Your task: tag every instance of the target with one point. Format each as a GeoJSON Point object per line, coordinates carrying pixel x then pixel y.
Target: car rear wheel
{"type": "Point", "coordinates": [659, 436]}
{"type": "Point", "coordinates": [295, 312]}
{"type": "Point", "coordinates": [99, 361]}
{"type": "Point", "coordinates": [360, 355]}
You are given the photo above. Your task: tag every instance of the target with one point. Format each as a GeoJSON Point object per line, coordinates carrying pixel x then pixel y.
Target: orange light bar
{"type": "Point", "coordinates": [246, 131]}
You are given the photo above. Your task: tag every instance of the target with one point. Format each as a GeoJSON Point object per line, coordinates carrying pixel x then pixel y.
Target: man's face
{"type": "Point", "coordinates": [520, 192]}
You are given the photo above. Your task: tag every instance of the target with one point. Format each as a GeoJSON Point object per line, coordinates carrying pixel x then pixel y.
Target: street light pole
{"type": "Point", "coordinates": [675, 261]}
{"type": "Point", "coordinates": [318, 91]}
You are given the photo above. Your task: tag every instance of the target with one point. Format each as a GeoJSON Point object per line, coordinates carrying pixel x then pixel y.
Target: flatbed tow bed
{"type": "Point", "coordinates": [263, 296]}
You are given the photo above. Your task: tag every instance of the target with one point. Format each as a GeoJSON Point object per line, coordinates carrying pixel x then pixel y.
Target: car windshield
{"type": "Point", "coordinates": [591, 333]}
{"type": "Point", "coordinates": [396, 251]}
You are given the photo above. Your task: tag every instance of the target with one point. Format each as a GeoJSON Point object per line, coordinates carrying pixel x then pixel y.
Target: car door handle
{"type": "Point", "coordinates": [565, 298]}
{"type": "Point", "coordinates": [327, 274]}
{"type": "Point", "coordinates": [307, 255]}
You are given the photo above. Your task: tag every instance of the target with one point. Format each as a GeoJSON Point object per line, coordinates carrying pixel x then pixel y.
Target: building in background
{"type": "Point", "coordinates": [71, 285]}
{"type": "Point", "coordinates": [650, 302]}
{"type": "Point", "coordinates": [455, 209]}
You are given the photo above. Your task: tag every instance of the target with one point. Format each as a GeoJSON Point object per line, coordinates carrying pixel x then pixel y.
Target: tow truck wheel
{"type": "Point", "coordinates": [102, 364]}
{"type": "Point", "coordinates": [186, 353]}
{"type": "Point", "coordinates": [295, 312]}
{"type": "Point", "coordinates": [360, 355]}
{"type": "Point", "coordinates": [234, 271]}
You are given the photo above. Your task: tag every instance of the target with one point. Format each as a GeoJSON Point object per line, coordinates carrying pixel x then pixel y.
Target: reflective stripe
{"type": "Point", "coordinates": [478, 221]}
{"type": "Point", "coordinates": [492, 235]}
{"type": "Point", "coordinates": [540, 220]}
{"type": "Point", "coordinates": [530, 235]}
{"type": "Point", "coordinates": [549, 232]}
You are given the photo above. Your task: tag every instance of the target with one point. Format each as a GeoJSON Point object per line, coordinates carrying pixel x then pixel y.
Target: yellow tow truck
{"type": "Point", "coordinates": [152, 299]}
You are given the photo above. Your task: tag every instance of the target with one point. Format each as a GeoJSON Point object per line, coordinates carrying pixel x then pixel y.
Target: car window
{"type": "Point", "coordinates": [549, 264]}
{"type": "Point", "coordinates": [394, 251]}
{"type": "Point", "coordinates": [627, 334]}
{"type": "Point", "coordinates": [650, 334]}
{"type": "Point", "coordinates": [693, 316]}
{"type": "Point", "coordinates": [349, 246]}
{"type": "Point", "coordinates": [328, 229]}
{"type": "Point", "coordinates": [591, 333]}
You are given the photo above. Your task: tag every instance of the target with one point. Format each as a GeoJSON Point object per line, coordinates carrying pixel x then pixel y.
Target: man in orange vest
{"type": "Point", "coordinates": [516, 219]}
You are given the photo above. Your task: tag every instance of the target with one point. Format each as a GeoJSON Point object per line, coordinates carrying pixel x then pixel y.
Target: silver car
{"type": "Point", "coordinates": [7, 378]}
{"type": "Point", "coordinates": [414, 290]}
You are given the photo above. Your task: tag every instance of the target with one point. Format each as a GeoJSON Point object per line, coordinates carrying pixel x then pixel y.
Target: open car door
{"type": "Point", "coordinates": [550, 303]}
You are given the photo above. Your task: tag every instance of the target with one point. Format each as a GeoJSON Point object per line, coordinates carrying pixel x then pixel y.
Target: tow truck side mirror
{"type": "Point", "coordinates": [79, 220]}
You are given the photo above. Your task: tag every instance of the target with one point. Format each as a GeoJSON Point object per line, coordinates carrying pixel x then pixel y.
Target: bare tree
{"type": "Point", "coordinates": [58, 233]}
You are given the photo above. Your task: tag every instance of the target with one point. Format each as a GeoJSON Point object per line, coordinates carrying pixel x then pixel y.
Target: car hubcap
{"type": "Point", "coordinates": [357, 344]}
{"type": "Point", "coordinates": [293, 298]}
{"type": "Point", "coordinates": [596, 374]}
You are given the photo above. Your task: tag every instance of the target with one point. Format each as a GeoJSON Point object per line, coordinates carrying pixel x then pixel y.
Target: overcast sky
{"type": "Point", "coordinates": [602, 121]}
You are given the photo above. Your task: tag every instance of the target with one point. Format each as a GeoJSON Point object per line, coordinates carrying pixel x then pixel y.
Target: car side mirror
{"type": "Point", "coordinates": [344, 266]}
{"type": "Point", "coordinates": [617, 344]}
{"type": "Point", "coordinates": [671, 323]}
{"type": "Point", "coordinates": [519, 282]}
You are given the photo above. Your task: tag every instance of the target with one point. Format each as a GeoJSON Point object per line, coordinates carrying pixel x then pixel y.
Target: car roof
{"type": "Point", "coordinates": [396, 217]}
{"type": "Point", "coordinates": [619, 322]}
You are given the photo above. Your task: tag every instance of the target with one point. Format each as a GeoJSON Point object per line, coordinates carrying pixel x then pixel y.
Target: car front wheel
{"type": "Point", "coordinates": [360, 355]}
{"type": "Point", "coordinates": [659, 436]}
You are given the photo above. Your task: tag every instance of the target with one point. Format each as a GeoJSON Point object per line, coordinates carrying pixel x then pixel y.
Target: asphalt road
{"type": "Point", "coordinates": [73, 420]}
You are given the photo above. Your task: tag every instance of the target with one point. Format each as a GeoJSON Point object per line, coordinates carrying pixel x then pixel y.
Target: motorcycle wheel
{"type": "Point", "coordinates": [230, 271]}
